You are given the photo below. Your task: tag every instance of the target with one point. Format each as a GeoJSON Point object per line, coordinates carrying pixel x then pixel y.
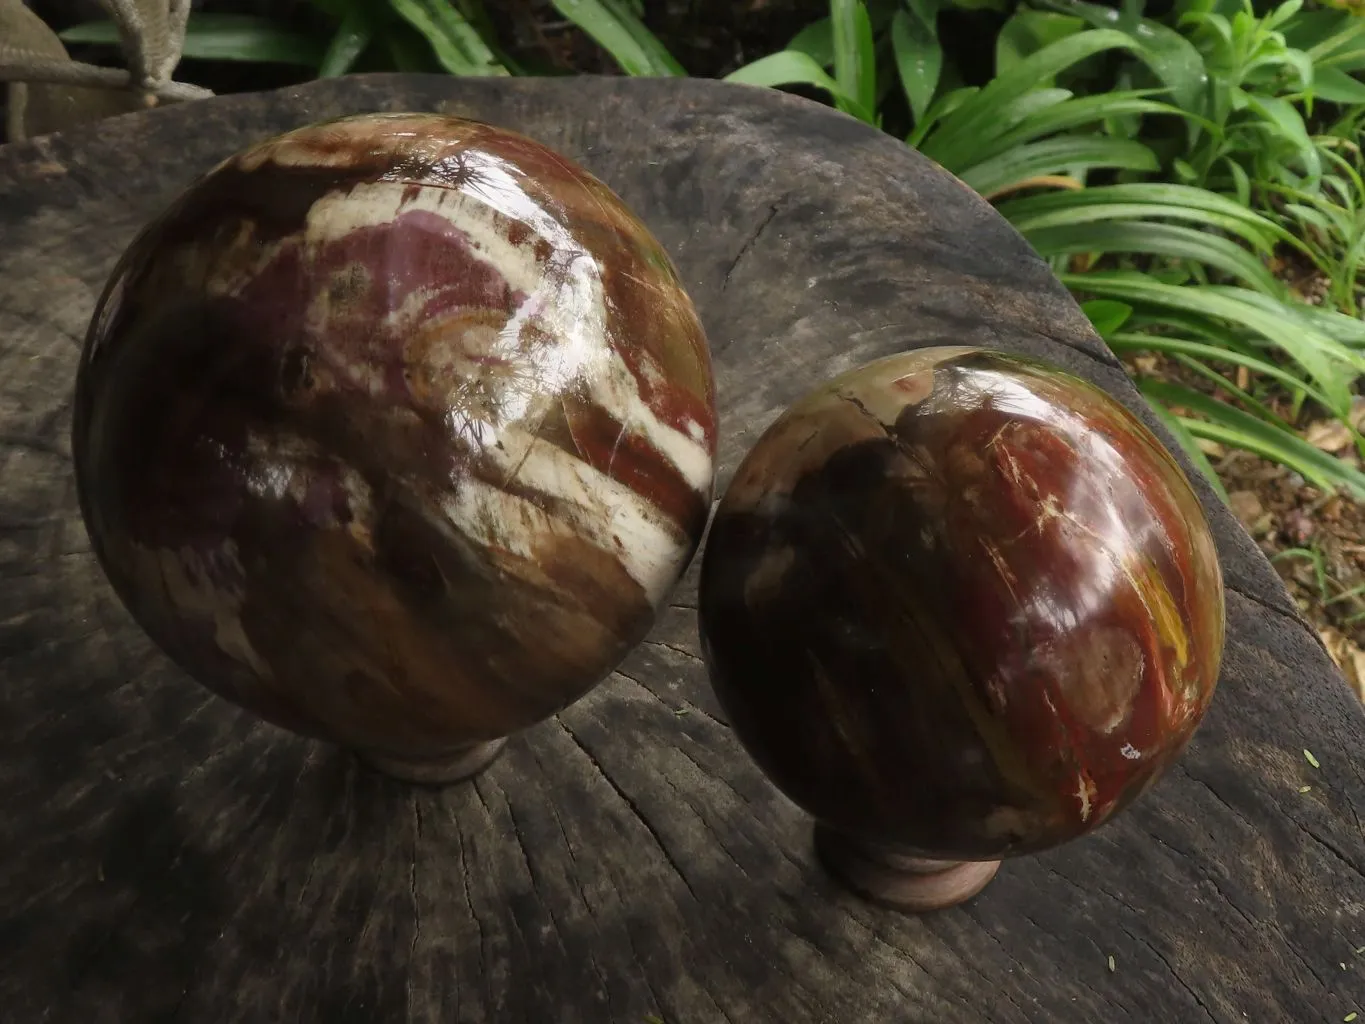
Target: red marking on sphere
{"type": "Point", "coordinates": [604, 443]}
{"type": "Point", "coordinates": [675, 406]}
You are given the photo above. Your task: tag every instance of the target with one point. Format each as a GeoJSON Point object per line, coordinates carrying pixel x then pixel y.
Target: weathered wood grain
{"type": "Point", "coordinates": [164, 857]}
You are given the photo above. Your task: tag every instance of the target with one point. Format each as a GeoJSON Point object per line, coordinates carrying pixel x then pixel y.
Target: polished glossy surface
{"type": "Point", "coordinates": [396, 430]}
{"type": "Point", "coordinates": [961, 603]}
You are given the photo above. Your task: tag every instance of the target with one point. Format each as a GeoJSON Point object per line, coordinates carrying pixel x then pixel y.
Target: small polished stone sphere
{"type": "Point", "coordinates": [396, 430]}
{"type": "Point", "coordinates": [961, 605]}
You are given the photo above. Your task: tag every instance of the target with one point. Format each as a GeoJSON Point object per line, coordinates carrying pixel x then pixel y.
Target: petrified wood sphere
{"type": "Point", "coordinates": [396, 430]}
{"type": "Point", "coordinates": [959, 606]}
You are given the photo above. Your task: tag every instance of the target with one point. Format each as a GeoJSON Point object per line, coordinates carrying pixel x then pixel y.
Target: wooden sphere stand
{"type": "Point", "coordinates": [468, 763]}
{"type": "Point", "coordinates": [900, 880]}
{"type": "Point", "coordinates": [167, 856]}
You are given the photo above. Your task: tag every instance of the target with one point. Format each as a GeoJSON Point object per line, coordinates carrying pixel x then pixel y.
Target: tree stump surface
{"type": "Point", "coordinates": [165, 857]}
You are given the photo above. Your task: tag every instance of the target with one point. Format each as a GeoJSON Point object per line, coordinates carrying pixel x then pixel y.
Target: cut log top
{"type": "Point", "coordinates": [164, 856]}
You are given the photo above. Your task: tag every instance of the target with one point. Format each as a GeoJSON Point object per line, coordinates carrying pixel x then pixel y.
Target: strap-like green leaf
{"type": "Point", "coordinates": [1336, 86]}
{"type": "Point", "coordinates": [854, 61]}
{"type": "Point", "coordinates": [1285, 121]}
{"type": "Point", "coordinates": [955, 142]}
{"type": "Point", "coordinates": [919, 57]}
{"type": "Point", "coordinates": [1340, 328]}
{"type": "Point", "coordinates": [1147, 213]}
{"type": "Point", "coordinates": [790, 67]}
{"type": "Point", "coordinates": [1052, 156]}
{"type": "Point", "coordinates": [1065, 113]}
{"type": "Point", "coordinates": [1173, 241]}
{"type": "Point", "coordinates": [1190, 444]}
{"type": "Point", "coordinates": [226, 37]}
{"type": "Point", "coordinates": [458, 46]}
{"type": "Point", "coordinates": [1172, 57]}
{"type": "Point", "coordinates": [1132, 341]}
{"type": "Point", "coordinates": [1232, 426]}
{"type": "Point", "coordinates": [618, 29]}
{"type": "Point", "coordinates": [1154, 199]}
{"type": "Point", "coordinates": [352, 37]}
{"type": "Point", "coordinates": [1320, 355]}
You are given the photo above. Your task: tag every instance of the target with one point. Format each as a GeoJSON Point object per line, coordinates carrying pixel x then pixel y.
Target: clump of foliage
{"type": "Point", "coordinates": [1163, 161]}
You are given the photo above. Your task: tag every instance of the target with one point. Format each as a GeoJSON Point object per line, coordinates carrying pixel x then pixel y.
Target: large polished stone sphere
{"type": "Point", "coordinates": [396, 430]}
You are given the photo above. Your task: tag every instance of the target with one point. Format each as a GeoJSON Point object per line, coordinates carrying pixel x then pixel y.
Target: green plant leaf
{"type": "Point", "coordinates": [1176, 62]}
{"type": "Point", "coordinates": [1308, 215]}
{"type": "Point", "coordinates": [617, 28]}
{"type": "Point", "coordinates": [348, 43]}
{"type": "Point", "coordinates": [1228, 425]}
{"type": "Point", "coordinates": [1190, 445]}
{"type": "Point", "coordinates": [942, 107]}
{"type": "Point", "coordinates": [1147, 199]}
{"type": "Point", "coordinates": [408, 50]}
{"type": "Point", "coordinates": [1066, 115]}
{"type": "Point", "coordinates": [816, 41]}
{"type": "Point", "coordinates": [1133, 341]}
{"type": "Point", "coordinates": [1106, 315]}
{"type": "Point", "coordinates": [790, 67]}
{"type": "Point", "coordinates": [1172, 241]}
{"type": "Point", "coordinates": [1051, 156]}
{"type": "Point", "coordinates": [1288, 123]}
{"type": "Point", "coordinates": [958, 137]}
{"type": "Point", "coordinates": [1027, 32]}
{"type": "Point", "coordinates": [854, 61]}
{"type": "Point", "coordinates": [1215, 25]}
{"type": "Point", "coordinates": [1101, 213]}
{"type": "Point", "coordinates": [1322, 357]}
{"type": "Point", "coordinates": [458, 46]}
{"type": "Point", "coordinates": [1215, 332]}
{"type": "Point", "coordinates": [1241, 181]}
{"type": "Point", "coordinates": [1218, 380]}
{"type": "Point", "coordinates": [1336, 86]}
{"type": "Point", "coordinates": [227, 37]}
{"type": "Point", "coordinates": [1351, 60]}
{"type": "Point", "coordinates": [1340, 328]}
{"type": "Point", "coordinates": [1282, 13]}
{"type": "Point", "coordinates": [1265, 71]}
{"type": "Point", "coordinates": [919, 58]}
{"type": "Point", "coordinates": [1324, 34]}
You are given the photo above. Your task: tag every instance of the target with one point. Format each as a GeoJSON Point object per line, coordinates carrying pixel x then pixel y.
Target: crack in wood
{"type": "Point", "coordinates": [416, 810]}
{"type": "Point", "coordinates": [675, 649]}
{"type": "Point", "coordinates": [576, 875]}
{"type": "Point", "coordinates": [751, 239]}
{"type": "Point", "coordinates": [634, 808]}
{"type": "Point", "coordinates": [1198, 1000]}
{"type": "Point", "coordinates": [692, 707]}
{"type": "Point", "coordinates": [1330, 848]}
{"type": "Point", "coordinates": [466, 873]}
